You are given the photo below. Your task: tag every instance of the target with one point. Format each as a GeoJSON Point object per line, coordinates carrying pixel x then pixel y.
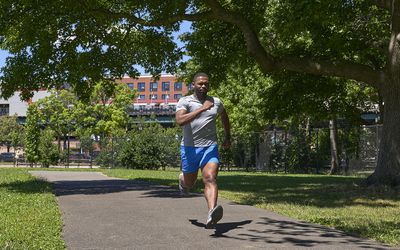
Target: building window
{"type": "Point", "coordinates": [4, 109]}
{"type": "Point", "coordinates": [130, 85]}
{"type": "Point", "coordinates": [141, 86]}
{"type": "Point", "coordinates": [153, 97]}
{"type": "Point", "coordinates": [141, 97]}
{"type": "Point", "coordinates": [165, 86]}
{"type": "Point", "coordinates": [178, 86]}
{"type": "Point", "coordinates": [177, 96]}
{"type": "Point", "coordinates": [165, 96]}
{"type": "Point", "coordinates": [153, 86]}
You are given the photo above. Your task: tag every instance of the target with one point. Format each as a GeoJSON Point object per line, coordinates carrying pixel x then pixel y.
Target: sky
{"type": "Point", "coordinates": [185, 27]}
{"type": "Point", "coordinates": [3, 56]}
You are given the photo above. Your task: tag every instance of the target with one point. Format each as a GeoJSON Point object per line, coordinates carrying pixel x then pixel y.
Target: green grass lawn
{"type": "Point", "coordinates": [335, 201]}
{"type": "Point", "coordinates": [32, 220]}
{"type": "Point", "coordinates": [29, 214]}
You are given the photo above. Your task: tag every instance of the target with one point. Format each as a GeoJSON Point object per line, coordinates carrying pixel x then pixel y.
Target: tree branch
{"type": "Point", "coordinates": [152, 23]}
{"type": "Point", "coordinates": [349, 70]}
{"type": "Point", "coordinates": [254, 47]}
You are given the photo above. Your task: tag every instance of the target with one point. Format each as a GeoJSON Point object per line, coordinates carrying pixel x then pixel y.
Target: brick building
{"type": "Point", "coordinates": [165, 91]}
{"type": "Point", "coordinates": [156, 97]}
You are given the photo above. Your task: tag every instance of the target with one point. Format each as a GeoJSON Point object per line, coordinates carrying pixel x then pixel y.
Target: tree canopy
{"type": "Point", "coordinates": [55, 42]}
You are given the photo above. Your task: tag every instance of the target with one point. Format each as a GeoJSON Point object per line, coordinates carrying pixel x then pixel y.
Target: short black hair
{"type": "Point", "coordinates": [199, 75]}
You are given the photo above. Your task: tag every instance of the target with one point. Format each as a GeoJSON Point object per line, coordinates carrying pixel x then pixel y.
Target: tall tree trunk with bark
{"type": "Point", "coordinates": [388, 168]}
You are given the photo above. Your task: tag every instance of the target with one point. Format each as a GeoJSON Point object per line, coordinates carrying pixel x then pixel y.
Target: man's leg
{"type": "Point", "coordinates": [189, 179]}
{"type": "Point", "coordinates": [215, 213]}
{"type": "Point", "coordinates": [210, 172]}
{"type": "Point", "coordinates": [188, 176]}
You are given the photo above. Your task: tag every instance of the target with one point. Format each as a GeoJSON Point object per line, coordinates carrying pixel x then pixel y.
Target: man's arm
{"type": "Point", "coordinates": [227, 129]}
{"type": "Point", "coordinates": [183, 117]}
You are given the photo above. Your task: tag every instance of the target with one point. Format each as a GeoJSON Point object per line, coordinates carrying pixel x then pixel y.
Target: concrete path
{"type": "Point", "coordinates": [100, 212]}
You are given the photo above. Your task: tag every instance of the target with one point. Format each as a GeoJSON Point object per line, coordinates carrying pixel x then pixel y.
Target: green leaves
{"type": "Point", "coordinates": [48, 151]}
{"type": "Point", "coordinates": [150, 146]}
{"type": "Point", "coordinates": [32, 130]}
{"type": "Point", "coordinates": [108, 108]}
{"type": "Point", "coordinates": [57, 42]}
{"type": "Point", "coordinates": [11, 132]}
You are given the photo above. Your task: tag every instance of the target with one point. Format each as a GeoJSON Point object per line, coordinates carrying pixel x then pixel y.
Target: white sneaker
{"type": "Point", "coordinates": [184, 190]}
{"type": "Point", "coordinates": [214, 216]}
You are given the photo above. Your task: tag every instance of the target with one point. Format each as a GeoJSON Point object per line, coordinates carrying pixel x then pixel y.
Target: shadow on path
{"type": "Point", "coordinates": [308, 235]}
{"type": "Point", "coordinates": [287, 233]}
{"type": "Point", "coordinates": [94, 187]}
{"type": "Point", "coordinates": [222, 228]}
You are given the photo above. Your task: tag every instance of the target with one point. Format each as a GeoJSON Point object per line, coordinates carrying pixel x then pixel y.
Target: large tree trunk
{"type": "Point", "coordinates": [388, 168]}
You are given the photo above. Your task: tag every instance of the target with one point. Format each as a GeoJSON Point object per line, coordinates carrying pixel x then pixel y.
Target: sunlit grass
{"type": "Point", "coordinates": [29, 214]}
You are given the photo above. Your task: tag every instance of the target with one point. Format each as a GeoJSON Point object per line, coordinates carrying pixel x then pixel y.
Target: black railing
{"type": "Point", "coordinates": [152, 111]}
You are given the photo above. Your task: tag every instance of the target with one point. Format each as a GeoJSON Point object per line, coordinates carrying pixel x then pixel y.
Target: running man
{"type": "Point", "coordinates": [197, 114]}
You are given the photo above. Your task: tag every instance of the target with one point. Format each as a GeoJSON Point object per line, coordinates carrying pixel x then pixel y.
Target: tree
{"type": "Point", "coordinates": [11, 133]}
{"type": "Point", "coordinates": [48, 151]}
{"type": "Point", "coordinates": [39, 146]}
{"type": "Point", "coordinates": [58, 41]}
{"type": "Point", "coordinates": [149, 146]}
{"type": "Point", "coordinates": [32, 134]}
{"type": "Point", "coordinates": [56, 113]}
{"type": "Point", "coordinates": [106, 112]}
{"type": "Point", "coordinates": [104, 117]}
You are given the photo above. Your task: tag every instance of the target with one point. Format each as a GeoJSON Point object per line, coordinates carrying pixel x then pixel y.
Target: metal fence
{"type": "Point", "coordinates": [274, 150]}
{"type": "Point", "coordinates": [283, 151]}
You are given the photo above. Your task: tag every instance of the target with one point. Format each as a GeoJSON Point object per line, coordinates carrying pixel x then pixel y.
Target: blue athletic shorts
{"type": "Point", "coordinates": [193, 158]}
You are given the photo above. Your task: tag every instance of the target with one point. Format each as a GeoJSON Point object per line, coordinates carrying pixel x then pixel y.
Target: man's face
{"type": "Point", "coordinates": [201, 85]}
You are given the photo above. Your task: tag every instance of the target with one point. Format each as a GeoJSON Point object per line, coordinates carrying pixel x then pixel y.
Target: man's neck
{"type": "Point", "coordinates": [200, 97]}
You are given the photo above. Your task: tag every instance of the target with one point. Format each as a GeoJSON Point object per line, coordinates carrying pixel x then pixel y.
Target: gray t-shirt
{"type": "Point", "coordinates": [201, 132]}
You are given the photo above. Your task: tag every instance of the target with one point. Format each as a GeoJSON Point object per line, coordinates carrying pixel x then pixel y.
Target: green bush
{"type": "Point", "coordinates": [149, 146]}
{"type": "Point", "coordinates": [48, 151]}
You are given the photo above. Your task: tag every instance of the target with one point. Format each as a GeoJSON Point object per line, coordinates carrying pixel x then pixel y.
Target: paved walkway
{"type": "Point", "coordinates": [100, 212]}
